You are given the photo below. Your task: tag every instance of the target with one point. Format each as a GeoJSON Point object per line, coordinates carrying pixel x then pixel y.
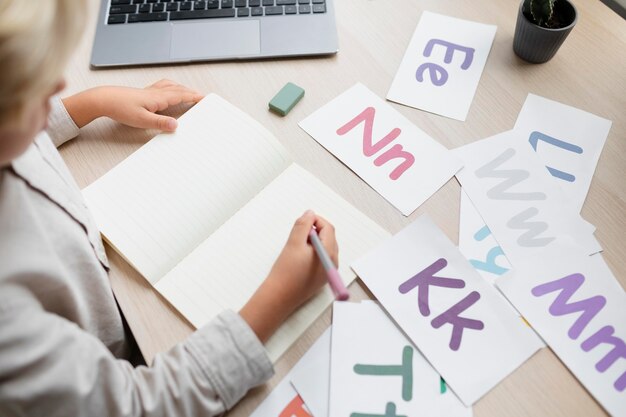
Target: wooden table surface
{"type": "Point", "coordinates": [588, 72]}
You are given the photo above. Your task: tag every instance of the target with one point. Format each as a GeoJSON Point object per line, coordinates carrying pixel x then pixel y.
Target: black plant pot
{"type": "Point", "coordinates": [536, 44]}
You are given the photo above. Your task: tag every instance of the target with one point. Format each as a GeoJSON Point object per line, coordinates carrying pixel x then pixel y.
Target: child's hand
{"type": "Point", "coordinates": [296, 275]}
{"type": "Point", "coordinates": [134, 107]}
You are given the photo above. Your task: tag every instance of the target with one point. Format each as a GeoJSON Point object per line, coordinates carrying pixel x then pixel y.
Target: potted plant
{"type": "Point", "coordinates": [542, 26]}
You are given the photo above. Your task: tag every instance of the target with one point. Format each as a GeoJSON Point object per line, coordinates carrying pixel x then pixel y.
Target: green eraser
{"type": "Point", "coordinates": [286, 98]}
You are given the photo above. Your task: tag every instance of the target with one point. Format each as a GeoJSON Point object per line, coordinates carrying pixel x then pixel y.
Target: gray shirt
{"type": "Point", "coordinates": [63, 351]}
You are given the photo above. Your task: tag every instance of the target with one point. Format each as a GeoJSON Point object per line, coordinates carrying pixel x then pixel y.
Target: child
{"type": "Point", "coordinates": [63, 351]}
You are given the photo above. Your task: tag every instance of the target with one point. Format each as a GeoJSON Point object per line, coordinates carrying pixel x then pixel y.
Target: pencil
{"type": "Point", "coordinates": [334, 280]}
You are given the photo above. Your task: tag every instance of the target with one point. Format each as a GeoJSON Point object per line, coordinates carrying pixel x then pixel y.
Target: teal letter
{"type": "Point", "coordinates": [390, 411]}
{"type": "Point", "coordinates": [405, 371]}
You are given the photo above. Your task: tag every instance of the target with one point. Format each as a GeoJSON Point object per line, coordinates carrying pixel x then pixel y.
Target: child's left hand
{"type": "Point", "coordinates": [134, 107]}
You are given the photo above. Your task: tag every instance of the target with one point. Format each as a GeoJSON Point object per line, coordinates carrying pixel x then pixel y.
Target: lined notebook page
{"type": "Point", "coordinates": [161, 202]}
{"type": "Point", "coordinates": [225, 270]}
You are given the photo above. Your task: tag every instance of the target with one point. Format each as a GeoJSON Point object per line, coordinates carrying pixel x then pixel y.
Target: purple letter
{"type": "Point", "coordinates": [567, 287]}
{"type": "Point", "coordinates": [458, 323]}
{"type": "Point", "coordinates": [425, 278]}
{"type": "Point", "coordinates": [450, 48]}
{"type": "Point", "coordinates": [438, 75]}
{"type": "Point", "coordinates": [396, 151]}
{"type": "Point", "coordinates": [605, 335]}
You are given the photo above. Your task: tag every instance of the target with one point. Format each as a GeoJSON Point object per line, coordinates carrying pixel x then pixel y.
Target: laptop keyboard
{"type": "Point", "coordinates": [133, 11]}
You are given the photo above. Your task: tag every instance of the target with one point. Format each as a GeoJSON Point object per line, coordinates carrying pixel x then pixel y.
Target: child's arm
{"type": "Point", "coordinates": [296, 275]}
{"type": "Point", "coordinates": [134, 107]}
{"type": "Point", "coordinates": [49, 363]}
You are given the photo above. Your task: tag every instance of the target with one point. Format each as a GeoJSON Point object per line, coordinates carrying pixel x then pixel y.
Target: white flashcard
{"type": "Point", "coordinates": [376, 370]}
{"type": "Point", "coordinates": [442, 65]}
{"type": "Point", "coordinates": [477, 243]}
{"type": "Point", "coordinates": [284, 400]}
{"type": "Point", "coordinates": [479, 246]}
{"type": "Point", "coordinates": [568, 140]}
{"type": "Point", "coordinates": [519, 201]}
{"type": "Point", "coordinates": [457, 320]}
{"type": "Point", "coordinates": [391, 154]}
{"type": "Point", "coordinates": [311, 376]}
{"type": "Point", "coordinates": [579, 309]}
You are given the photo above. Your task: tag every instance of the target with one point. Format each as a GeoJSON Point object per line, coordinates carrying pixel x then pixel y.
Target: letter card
{"type": "Point", "coordinates": [568, 141]}
{"type": "Point", "coordinates": [519, 201]}
{"type": "Point", "coordinates": [311, 376]}
{"type": "Point", "coordinates": [392, 155]}
{"type": "Point", "coordinates": [579, 309]}
{"type": "Point", "coordinates": [477, 243]}
{"type": "Point", "coordinates": [377, 371]}
{"type": "Point", "coordinates": [468, 332]}
{"type": "Point", "coordinates": [284, 400]}
{"type": "Point", "coordinates": [442, 65]}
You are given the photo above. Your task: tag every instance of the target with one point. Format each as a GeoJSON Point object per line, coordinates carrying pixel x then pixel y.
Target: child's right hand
{"type": "Point", "coordinates": [136, 107]}
{"type": "Point", "coordinates": [295, 277]}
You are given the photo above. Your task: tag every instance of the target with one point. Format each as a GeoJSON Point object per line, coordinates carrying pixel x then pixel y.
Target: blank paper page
{"type": "Point", "coordinates": [161, 202]}
{"type": "Point", "coordinates": [225, 270]}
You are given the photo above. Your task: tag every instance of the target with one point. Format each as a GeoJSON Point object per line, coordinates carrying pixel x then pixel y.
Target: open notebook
{"type": "Point", "coordinates": [203, 213]}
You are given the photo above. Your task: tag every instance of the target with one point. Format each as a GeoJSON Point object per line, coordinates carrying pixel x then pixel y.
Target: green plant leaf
{"type": "Point", "coordinates": [541, 11]}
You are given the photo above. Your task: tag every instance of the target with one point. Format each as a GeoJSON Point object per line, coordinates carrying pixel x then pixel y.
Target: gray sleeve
{"type": "Point", "coordinates": [61, 127]}
{"type": "Point", "coordinates": [50, 367]}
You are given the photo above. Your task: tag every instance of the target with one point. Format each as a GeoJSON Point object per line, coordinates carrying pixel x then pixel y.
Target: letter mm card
{"type": "Point", "coordinates": [442, 65]}
{"type": "Point", "coordinates": [577, 306]}
{"type": "Point", "coordinates": [456, 319]}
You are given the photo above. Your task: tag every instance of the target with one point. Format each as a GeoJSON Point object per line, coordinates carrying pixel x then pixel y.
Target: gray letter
{"type": "Point", "coordinates": [533, 229]}
{"type": "Point", "coordinates": [511, 177]}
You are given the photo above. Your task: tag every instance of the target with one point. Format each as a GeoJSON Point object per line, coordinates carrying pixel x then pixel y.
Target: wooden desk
{"type": "Point", "coordinates": [589, 72]}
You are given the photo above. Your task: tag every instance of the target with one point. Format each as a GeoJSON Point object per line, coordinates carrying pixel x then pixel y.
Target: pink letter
{"type": "Point", "coordinates": [396, 152]}
{"type": "Point", "coordinates": [367, 116]}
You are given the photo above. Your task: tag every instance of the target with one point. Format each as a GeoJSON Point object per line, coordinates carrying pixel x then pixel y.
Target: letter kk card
{"type": "Point", "coordinates": [456, 319]}
{"type": "Point", "coordinates": [442, 65]}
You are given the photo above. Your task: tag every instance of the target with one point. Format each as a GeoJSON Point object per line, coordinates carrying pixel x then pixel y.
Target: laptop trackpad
{"type": "Point", "coordinates": [215, 39]}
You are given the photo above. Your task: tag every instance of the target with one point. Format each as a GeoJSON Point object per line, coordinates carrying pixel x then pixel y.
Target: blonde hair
{"type": "Point", "coordinates": [37, 39]}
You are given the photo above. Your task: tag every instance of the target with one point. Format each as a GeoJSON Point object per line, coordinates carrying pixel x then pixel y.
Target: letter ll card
{"type": "Point", "coordinates": [377, 371]}
{"type": "Point", "coordinates": [468, 332]}
{"type": "Point", "coordinates": [392, 155]}
{"type": "Point", "coordinates": [567, 140]}
{"type": "Point", "coordinates": [579, 309]}
{"type": "Point", "coordinates": [442, 66]}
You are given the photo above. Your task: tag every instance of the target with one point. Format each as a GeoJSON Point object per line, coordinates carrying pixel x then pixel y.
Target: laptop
{"type": "Point", "coordinates": [139, 32]}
